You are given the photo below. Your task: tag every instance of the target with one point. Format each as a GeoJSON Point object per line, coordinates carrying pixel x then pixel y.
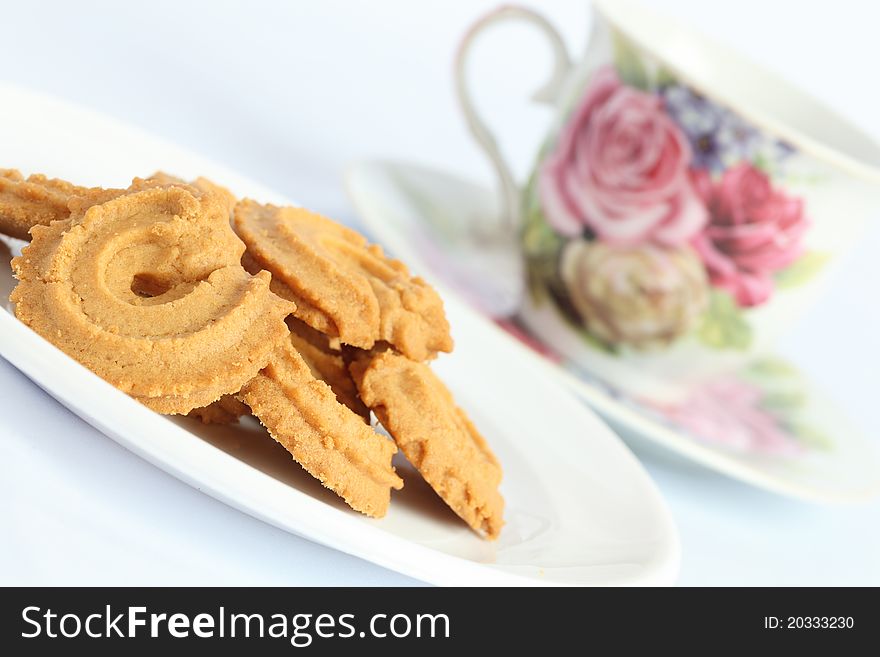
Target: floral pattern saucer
{"type": "Point", "coordinates": [764, 423]}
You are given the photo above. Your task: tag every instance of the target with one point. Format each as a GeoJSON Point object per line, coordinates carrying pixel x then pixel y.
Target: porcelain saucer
{"type": "Point", "coordinates": [765, 424]}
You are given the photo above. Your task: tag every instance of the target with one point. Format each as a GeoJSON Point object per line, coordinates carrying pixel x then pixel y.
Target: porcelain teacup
{"type": "Point", "coordinates": [685, 208]}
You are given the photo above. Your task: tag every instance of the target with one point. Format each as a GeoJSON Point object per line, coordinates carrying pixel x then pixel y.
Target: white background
{"type": "Point", "coordinates": [288, 93]}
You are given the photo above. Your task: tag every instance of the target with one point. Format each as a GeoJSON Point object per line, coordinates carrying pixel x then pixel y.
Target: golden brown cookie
{"type": "Point", "coordinates": [225, 410]}
{"type": "Point", "coordinates": [326, 364]}
{"type": "Point", "coordinates": [36, 201]}
{"type": "Point", "coordinates": [343, 286]}
{"type": "Point", "coordinates": [146, 290]}
{"type": "Point", "coordinates": [39, 200]}
{"type": "Point", "coordinates": [435, 435]}
{"type": "Point", "coordinates": [325, 437]}
{"type": "Point", "coordinates": [201, 183]}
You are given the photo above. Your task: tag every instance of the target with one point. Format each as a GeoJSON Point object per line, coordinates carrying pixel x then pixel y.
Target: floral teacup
{"type": "Point", "coordinates": [684, 209]}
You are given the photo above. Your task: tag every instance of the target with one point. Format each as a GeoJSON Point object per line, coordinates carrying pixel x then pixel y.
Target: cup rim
{"type": "Point", "coordinates": [618, 13]}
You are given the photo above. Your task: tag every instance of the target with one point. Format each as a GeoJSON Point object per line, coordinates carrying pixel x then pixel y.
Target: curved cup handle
{"type": "Point", "coordinates": [548, 93]}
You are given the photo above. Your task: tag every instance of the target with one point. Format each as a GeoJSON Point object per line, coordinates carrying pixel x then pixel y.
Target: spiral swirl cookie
{"type": "Point", "coordinates": [436, 436]}
{"type": "Point", "coordinates": [343, 286]}
{"type": "Point", "coordinates": [325, 437]}
{"type": "Point", "coordinates": [37, 200]}
{"type": "Point", "coordinates": [145, 288]}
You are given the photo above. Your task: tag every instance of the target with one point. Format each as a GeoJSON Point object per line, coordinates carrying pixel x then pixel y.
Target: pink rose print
{"type": "Point", "coordinates": [728, 412]}
{"type": "Point", "coordinates": [753, 231]}
{"type": "Point", "coordinates": [620, 167]}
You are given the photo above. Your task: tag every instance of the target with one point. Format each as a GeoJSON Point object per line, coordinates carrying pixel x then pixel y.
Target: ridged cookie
{"type": "Point", "coordinates": [325, 437]}
{"type": "Point", "coordinates": [435, 435]}
{"type": "Point", "coordinates": [35, 201]}
{"type": "Point", "coordinates": [343, 286]}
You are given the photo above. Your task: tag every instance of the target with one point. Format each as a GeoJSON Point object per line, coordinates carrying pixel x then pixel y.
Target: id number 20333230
{"type": "Point", "coordinates": [808, 622]}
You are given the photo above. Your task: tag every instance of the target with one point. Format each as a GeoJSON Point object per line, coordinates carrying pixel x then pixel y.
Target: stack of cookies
{"type": "Point", "coordinates": [194, 302]}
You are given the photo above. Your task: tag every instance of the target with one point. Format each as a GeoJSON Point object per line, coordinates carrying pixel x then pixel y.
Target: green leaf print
{"type": "Point", "coordinates": [629, 63]}
{"type": "Point", "coordinates": [809, 436]}
{"type": "Point", "coordinates": [665, 77]}
{"type": "Point", "coordinates": [541, 245]}
{"type": "Point", "coordinates": [765, 164]}
{"type": "Point", "coordinates": [772, 368]}
{"type": "Point", "coordinates": [801, 270]}
{"type": "Point", "coordinates": [722, 325]}
{"type": "Point", "coordinates": [784, 401]}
